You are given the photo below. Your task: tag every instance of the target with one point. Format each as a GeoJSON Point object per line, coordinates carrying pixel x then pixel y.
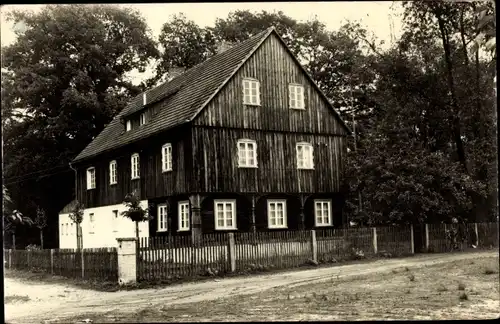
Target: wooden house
{"type": "Point", "coordinates": [244, 141]}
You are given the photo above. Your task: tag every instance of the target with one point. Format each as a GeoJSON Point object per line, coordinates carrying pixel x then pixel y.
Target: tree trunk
{"type": "Point", "coordinates": [41, 238]}
{"type": "Point", "coordinates": [137, 230]}
{"type": "Point", "coordinates": [451, 84]}
{"type": "Point", "coordinates": [79, 238]}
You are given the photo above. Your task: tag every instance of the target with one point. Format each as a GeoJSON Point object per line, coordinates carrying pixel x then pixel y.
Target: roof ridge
{"type": "Point", "coordinates": [208, 59]}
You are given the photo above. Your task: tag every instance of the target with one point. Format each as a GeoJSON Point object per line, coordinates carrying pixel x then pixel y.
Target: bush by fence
{"type": "Point", "coordinates": [98, 264]}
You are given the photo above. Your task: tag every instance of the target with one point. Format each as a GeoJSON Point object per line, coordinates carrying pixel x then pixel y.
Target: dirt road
{"type": "Point", "coordinates": [49, 302]}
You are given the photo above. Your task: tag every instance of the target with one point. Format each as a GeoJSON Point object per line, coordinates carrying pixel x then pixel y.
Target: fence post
{"type": "Point", "coordinates": [477, 235]}
{"type": "Point", "coordinates": [314, 246]}
{"type": "Point", "coordinates": [231, 251]}
{"type": "Point", "coordinates": [10, 258]}
{"type": "Point", "coordinates": [427, 237]}
{"type": "Point", "coordinates": [83, 263]}
{"type": "Point", "coordinates": [52, 261]}
{"type": "Point", "coordinates": [29, 259]}
{"type": "Point", "coordinates": [412, 243]}
{"type": "Point", "coordinates": [375, 240]}
{"type": "Point", "coordinates": [127, 260]}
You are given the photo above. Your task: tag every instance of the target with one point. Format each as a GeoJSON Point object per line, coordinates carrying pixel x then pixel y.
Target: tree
{"type": "Point", "coordinates": [76, 216]}
{"type": "Point", "coordinates": [63, 80]}
{"type": "Point", "coordinates": [184, 45]}
{"type": "Point", "coordinates": [12, 221]}
{"type": "Point", "coordinates": [134, 211]}
{"type": "Point", "coordinates": [41, 223]}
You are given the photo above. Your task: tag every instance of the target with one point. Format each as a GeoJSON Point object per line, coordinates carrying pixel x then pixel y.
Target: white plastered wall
{"type": "Point", "coordinates": [105, 229]}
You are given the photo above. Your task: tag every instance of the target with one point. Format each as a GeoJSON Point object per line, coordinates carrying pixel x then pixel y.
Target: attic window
{"type": "Point", "coordinates": [296, 96]}
{"type": "Point", "coordinates": [251, 91]}
{"type": "Point", "coordinates": [144, 100]}
{"type": "Point", "coordinates": [128, 126]}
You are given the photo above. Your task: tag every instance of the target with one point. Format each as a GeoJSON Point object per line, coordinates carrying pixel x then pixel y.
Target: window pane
{"type": "Point", "coordinates": [254, 85]}
{"type": "Point", "coordinates": [220, 222]}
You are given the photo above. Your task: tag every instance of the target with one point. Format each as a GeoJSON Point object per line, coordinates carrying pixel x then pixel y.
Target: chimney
{"type": "Point", "coordinates": [174, 72]}
{"type": "Point", "coordinates": [223, 46]}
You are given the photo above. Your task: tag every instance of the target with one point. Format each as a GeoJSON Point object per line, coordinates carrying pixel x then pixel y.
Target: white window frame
{"type": "Point", "coordinates": [245, 155]}
{"type": "Point", "coordinates": [296, 98]}
{"type": "Point", "coordinates": [166, 157]}
{"type": "Point", "coordinates": [328, 218]}
{"type": "Point", "coordinates": [91, 178]}
{"type": "Point", "coordinates": [251, 91]}
{"type": "Point", "coordinates": [232, 207]}
{"type": "Point", "coordinates": [142, 119]}
{"type": "Point", "coordinates": [276, 202]}
{"type": "Point", "coordinates": [135, 166]}
{"type": "Point", "coordinates": [162, 216]}
{"type": "Point", "coordinates": [128, 125]}
{"type": "Point", "coordinates": [112, 173]}
{"type": "Point", "coordinates": [307, 156]}
{"type": "Point", "coordinates": [91, 223]}
{"type": "Point", "coordinates": [183, 214]}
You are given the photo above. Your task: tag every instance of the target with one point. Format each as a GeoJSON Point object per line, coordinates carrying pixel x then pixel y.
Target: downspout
{"type": "Point", "coordinates": [77, 226]}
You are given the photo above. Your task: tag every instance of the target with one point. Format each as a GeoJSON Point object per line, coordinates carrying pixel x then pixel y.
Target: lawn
{"type": "Point", "coordinates": [467, 289]}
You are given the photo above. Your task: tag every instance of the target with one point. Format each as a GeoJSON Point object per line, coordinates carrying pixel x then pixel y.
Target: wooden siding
{"type": "Point", "coordinates": [216, 168]}
{"type": "Point", "coordinates": [153, 182]}
{"type": "Point", "coordinates": [275, 68]}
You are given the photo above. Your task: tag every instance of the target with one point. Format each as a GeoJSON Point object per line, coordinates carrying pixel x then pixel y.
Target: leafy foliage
{"type": "Point", "coordinates": [40, 219]}
{"type": "Point", "coordinates": [134, 210]}
{"type": "Point", "coordinates": [63, 80]}
{"type": "Point", "coordinates": [77, 213]}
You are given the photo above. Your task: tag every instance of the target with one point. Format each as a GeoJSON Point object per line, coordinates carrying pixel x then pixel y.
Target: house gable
{"type": "Point", "coordinates": [275, 67]}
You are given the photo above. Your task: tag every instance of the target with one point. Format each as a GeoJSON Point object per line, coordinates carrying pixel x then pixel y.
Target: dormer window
{"type": "Point", "coordinates": [296, 96]}
{"type": "Point", "coordinates": [128, 126]}
{"type": "Point", "coordinates": [142, 119]}
{"type": "Point", "coordinates": [251, 91]}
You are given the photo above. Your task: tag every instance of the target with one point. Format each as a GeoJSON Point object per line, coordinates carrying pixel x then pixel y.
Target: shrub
{"type": "Point", "coordinates": [463, 296]}
{"type": "Point", "coordinates": [411, 277]}
{"type": "Point", "coordinates": [461, 286]}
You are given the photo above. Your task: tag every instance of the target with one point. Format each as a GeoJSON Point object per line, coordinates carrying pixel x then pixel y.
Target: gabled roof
{"type": "Point", "coordinates": [182, 98]}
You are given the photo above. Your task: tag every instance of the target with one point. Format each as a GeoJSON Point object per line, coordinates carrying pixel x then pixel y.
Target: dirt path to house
{"type": "Point", "coordinates": [28, 302]}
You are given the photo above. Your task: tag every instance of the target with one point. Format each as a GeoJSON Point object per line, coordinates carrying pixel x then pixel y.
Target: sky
{"type": "Point", "coordinates": [375, 16]}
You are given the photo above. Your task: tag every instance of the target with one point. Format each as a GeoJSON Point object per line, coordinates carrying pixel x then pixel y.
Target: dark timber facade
{"type": "Point", "coordinates": [205, 116]}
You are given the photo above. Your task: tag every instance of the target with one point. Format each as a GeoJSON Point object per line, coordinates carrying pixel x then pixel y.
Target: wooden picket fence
{"type": "Point", "coordinates": [176, 257]}
{"type": "Point", "coordinates": [267, 250]}
{"type": "Point", "coordinates": [478, 235]}
{"type": "Point", "coordinates": [98, 263]}
{"type": "Point", "coordinates": [166, 258]}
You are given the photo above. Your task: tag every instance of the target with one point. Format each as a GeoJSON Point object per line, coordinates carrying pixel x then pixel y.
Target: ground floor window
{"type": "Point", "coordinates": [276, 213]}
{"type": "Point", "coordinates": [225, 214]}
{"type": "Point", "coordinates": [162, 218]}
{"type": "Point", "coordinates": [322, 212]}
{"type": "Point", "coordinates": [184, 216]}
